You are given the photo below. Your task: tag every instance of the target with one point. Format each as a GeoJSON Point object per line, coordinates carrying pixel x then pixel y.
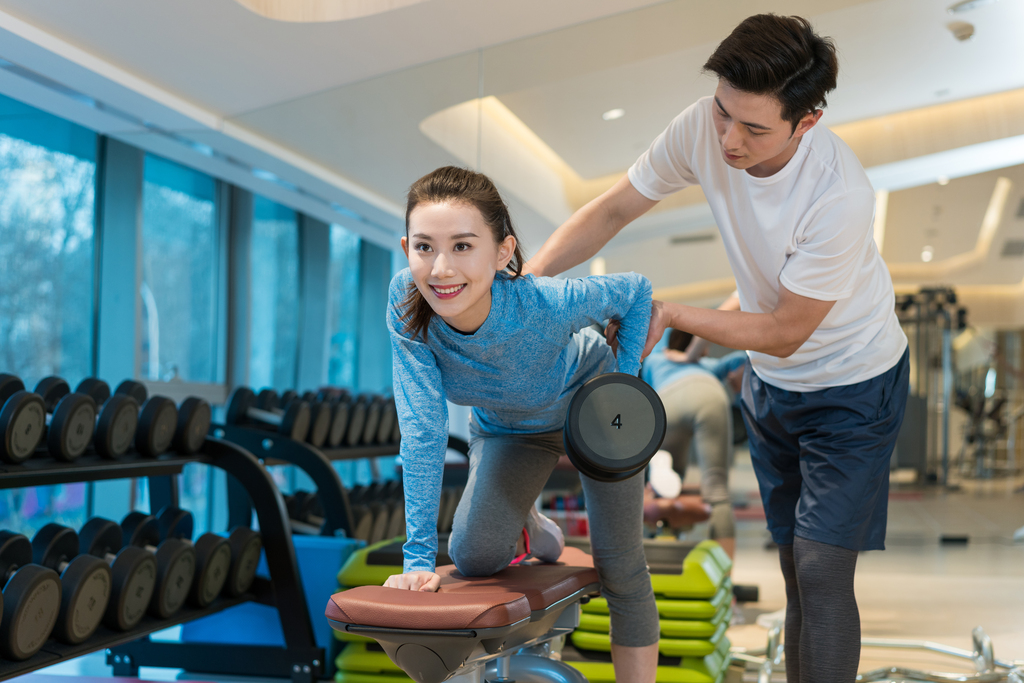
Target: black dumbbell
{"type": "Point", "coordinates": [71, 418]}
{"type": "Point", "coordinates": [85, 582]}
{"type": "Point", "coordinates": [117, 421]}
{"type": "Point", "coordinates": [320, 420]}
{"type": "Point", "coordinates": [388, 418]}
{"type": "Point", "coordinates": [613, 427]}
{"type": "Point", "coordinates": [301, 506]}
{"type": "Point", "coordinates": [133, 572]}
{"type": "Point", "coordinates": [293, 422]}
{"type": "Point", "coordinates": [213, 554]}
{"type": "Point", "coordinates": [22, 420]}
{"type": "Point", "coordinates": [357, 420]}
{"type": "Point", "coordinates": [175, 562]}
{"type": "Point", "coordinates": [31, 599]}
{"type": "Point", "coordinates": [373, 413]}
{"type": "Point", "coordinates": [396, 433]}
{"type": "Point", "coordinates": [246, 546]}
{"type": "Point", "coordinates": [194, 416]}
{"type": "Point", "coordinates": [396, 525]}
{"type": "Point", "coordinates": [158, 419]}
{"type": "Point", "coordinates": [341, 406]}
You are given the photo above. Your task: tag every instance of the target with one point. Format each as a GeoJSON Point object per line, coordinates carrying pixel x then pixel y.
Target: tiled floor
{"type": "Point", "coordinates": [918, 588]}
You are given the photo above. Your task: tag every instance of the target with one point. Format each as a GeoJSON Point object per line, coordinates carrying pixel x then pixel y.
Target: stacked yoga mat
{"type": "Point", "coordinates": [695, 608]}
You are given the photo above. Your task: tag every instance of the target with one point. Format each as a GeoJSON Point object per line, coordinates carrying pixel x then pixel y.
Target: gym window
{"type": "Point", "coordinates": [47, 265]}
{"type": "Point", "coordinates": [274, 317]}
{"type": "Point", "coordinates": [343, 286]}
{"type": "Point", "coordinates": [180, 258]}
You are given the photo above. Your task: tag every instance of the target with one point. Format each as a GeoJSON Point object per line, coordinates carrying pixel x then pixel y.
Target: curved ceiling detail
{"type": "Point", "coordinates": [937, 270]}
{"type": "Point", "coordinates": [318, 11]}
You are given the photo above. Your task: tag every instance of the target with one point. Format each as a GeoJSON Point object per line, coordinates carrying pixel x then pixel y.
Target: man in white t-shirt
{"type": "Point", "coordinates": [815, 311]}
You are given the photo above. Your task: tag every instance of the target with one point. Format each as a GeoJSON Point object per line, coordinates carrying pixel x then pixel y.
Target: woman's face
{"type": "Point", "coordinates": [453, 258]}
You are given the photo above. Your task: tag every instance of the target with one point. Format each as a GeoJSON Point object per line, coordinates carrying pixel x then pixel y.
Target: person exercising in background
{"type": "Point", "coordinates": [697, 411]}
{"type": "Point", "coordinates": [828, 371]}
{"type": "Point", "coordinates": [467, 328]}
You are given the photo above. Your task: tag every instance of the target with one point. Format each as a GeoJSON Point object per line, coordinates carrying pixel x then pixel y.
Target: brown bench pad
{"type": "Point", "coordinates": [542, 584]}
{"type": "Point", "coordinates": [396, 608]}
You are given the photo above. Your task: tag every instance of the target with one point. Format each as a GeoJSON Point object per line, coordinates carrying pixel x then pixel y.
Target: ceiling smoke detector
{"type": "Point", "coordinates": [961, 30]}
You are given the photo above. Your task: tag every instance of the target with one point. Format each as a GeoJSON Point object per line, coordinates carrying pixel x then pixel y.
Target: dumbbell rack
{"type": "Point", "coordinates": [276, 449]}
{"type": "Point", "coordinates": [300, 659]}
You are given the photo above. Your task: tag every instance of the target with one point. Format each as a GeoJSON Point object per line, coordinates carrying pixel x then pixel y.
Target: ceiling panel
{"type": "Point", "coordinates": [224, 57]}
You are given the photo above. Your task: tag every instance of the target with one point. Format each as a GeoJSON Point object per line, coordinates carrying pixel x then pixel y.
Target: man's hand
{"type": "Point", "coordinates": [735, 379]}
{"type": "Point", "coordinates": [656, 330]}
{"type": "Point", "coordinates": [611, 335]}
{"type": "Point", "coordinates": [426, 582]}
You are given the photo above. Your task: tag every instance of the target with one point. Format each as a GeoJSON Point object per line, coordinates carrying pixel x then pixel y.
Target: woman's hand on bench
{"type": "Point", "coordinates": [414, 581]}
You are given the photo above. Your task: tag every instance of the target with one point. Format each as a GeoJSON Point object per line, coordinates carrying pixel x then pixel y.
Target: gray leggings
{"type": "Point", "coordinates": [697, 411]}
{"type": "Point", "coordinates": [506, 474]}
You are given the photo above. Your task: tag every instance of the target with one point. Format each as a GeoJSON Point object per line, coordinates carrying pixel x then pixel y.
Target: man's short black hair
{"type": "Point", "coordinates": [679, 340]}
{"type": "Point", "coordinates": [778, 56]}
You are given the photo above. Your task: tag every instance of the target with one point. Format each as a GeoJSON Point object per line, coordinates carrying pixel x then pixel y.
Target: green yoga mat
{"type": "Point", "coordinates": [670, 628]}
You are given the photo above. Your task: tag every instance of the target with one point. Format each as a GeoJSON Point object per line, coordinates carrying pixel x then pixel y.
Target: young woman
{"type": "Point", "coordinates": [467, 327]}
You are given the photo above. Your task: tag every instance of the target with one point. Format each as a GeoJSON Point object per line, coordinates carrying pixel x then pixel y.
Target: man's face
{"type": "Point", "coordinates": [751, 133]}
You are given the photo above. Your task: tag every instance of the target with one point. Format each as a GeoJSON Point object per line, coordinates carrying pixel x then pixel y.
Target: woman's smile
{"type": "Point", "coordinates": [447, 291]}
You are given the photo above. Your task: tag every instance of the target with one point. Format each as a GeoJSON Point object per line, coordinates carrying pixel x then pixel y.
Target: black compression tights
{"type": "Point", "coordinates": [822, 622]}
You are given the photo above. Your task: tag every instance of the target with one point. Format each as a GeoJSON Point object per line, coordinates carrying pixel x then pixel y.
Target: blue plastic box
{"type": "Point", "coordinates": [320, 558]}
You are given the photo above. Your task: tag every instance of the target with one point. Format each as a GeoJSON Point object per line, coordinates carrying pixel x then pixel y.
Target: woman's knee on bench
{"type": "Point", "coordinates": [479, 554]}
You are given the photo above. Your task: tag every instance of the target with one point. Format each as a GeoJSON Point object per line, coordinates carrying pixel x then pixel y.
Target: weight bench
{"type": "Point", "coordinates": [471, 626]}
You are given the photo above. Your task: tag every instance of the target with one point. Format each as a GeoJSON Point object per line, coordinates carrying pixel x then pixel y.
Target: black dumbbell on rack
{"type": "Point", "coordinates": [294, 422]}
{"type": "Point", "coordinates": [341, 406]}
{"type": "Point", "coordinates": [26, 417]}
{"type": "Point", "coordinates": [31, 599]}
{"type": "Point", "coordinates": [320, 420]}
{"type": "Point", "coordinates": [71, 419]}
{"type": "Point", "coordinates": [133, 572]}
{"type": "Point", "coordinates": [175, 562]}
{"type": "Point", "coordinates": [117, 421]}
{"type": "Point", "coordinates": [357, 420]}
{"type": "Point", "coordinates": [85, 582]}
{"type": "Point", "coordinates": [213, 554]}
{"type": "Point", "coordinates": [194, 416]}
{"type": "Point", "coordinates": [388, 419]}
{"type": "Point", "coordinates": [158, 419]}
{"type": "Point", "coordinates": [246, 546]}
{"type": "Point", "coordinates": [373, 411]}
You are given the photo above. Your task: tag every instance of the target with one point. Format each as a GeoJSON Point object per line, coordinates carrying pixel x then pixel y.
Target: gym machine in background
{"type": "Point", "coordinates": [929, 318]}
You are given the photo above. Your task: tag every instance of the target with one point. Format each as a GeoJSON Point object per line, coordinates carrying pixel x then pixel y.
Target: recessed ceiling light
{"type": "Point", "coordinates": [961, 30]}
{"type": "Point", "coordinates": [942, 180]}
{"type": "Point", "coordinates": [927, 253]}
{"type": "Point", "coordinates": [613, 114]}
{"type": "Point", "coordinates": [967, 5]}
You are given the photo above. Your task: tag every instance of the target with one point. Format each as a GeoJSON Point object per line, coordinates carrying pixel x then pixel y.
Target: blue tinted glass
{"type": "Point", "coordinates": [180, 257]}
{"type": "Point", "coordinates": [344, 307]}
{"type": "Point", "coordinates": [47, 193]}
{"type": "Point", "coordinates": [274, 310]}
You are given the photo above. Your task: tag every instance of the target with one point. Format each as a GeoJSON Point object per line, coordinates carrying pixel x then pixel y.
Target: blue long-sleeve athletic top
{"type": "Point", "coordinates": [518, 372]}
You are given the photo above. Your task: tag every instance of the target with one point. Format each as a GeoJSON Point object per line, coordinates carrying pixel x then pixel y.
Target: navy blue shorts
{"type": "Point", "coordinates": [822, 457]}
